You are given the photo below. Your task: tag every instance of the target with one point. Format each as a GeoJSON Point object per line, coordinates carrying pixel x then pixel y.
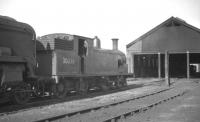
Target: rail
{"type": "Point", "coordinates": [77, 113]}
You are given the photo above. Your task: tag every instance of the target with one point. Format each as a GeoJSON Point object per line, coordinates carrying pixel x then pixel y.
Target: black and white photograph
{"type": "Point", "coordinates": [99, 61]}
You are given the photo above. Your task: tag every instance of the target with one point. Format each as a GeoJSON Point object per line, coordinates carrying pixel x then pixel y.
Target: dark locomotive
{"type": "Point", "coordinates": [54, 64]}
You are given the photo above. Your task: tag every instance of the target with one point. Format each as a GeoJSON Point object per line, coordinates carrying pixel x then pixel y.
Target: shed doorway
{"type": "Point", "coordinates": [145, 65]}
{"type": "Point", "coordinates": [194, 65]}
{"type": "Point", "coordinates": [178, 65]}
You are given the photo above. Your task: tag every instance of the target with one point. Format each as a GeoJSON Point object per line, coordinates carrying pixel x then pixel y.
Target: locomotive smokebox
{"type": "Point", "coordinates": [115, 43]}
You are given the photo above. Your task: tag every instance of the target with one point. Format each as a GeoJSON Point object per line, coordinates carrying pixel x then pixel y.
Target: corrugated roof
{"type": "Point", "coordinates": [171, 19]}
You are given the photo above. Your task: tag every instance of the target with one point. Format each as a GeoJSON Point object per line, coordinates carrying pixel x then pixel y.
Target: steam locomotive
{"type": "Point", "coordinates": [54, 64]}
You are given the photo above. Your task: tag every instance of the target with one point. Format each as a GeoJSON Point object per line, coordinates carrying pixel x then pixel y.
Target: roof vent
{"type": "Point", "coordinates": [180, 19]}
{"type": "Point", "coordinates": [173, 23]}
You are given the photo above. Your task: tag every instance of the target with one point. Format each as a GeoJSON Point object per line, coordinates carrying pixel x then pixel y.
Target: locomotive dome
{"type": "Point", "coordinates": [10, 22]}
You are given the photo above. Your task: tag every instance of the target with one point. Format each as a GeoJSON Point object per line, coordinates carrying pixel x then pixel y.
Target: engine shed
{"type": "Point", "coordinates": [170, 49]}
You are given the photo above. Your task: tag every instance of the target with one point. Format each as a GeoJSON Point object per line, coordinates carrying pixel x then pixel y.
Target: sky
{"type": "Point", "coordinates": [107, 19]}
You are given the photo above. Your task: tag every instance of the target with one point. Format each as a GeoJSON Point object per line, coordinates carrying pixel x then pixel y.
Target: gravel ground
{"type": "Point", "coordinates": [114, 111]}
{"type": "Point", "coordinates": [182, 109]}
{"type": "Point", "coordinates": [72, 106]}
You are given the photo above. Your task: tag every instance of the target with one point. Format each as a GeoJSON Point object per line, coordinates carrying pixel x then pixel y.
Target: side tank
{"type": "Point", "coordinates": [104, 62]}
{"type": "Point", "coordinates": [20, 38]}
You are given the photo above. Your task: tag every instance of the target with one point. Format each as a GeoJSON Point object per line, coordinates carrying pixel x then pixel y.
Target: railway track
{"type": "Point", "coordinates": [84, 111]}
{"type": "Point", "coordinates": [84, 115]}
{"type": "Point", "coordinates": [120, 110]}
{"type": "Point", "coordinates": [141, 109]}
{"type": "Point", "coordinates": [9, 108]}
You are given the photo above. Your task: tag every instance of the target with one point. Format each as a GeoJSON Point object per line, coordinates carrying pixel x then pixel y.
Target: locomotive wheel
{"type": "Point", "coordinates": [121, 82]}
{"type": "Point", "coordinates": [83, 87]}
{"type": "Point", "coordinates": [124, 83]}
{"type": "Point", "coordinates": [60, 91]}
{"type": "Point", "coordinates": [119, 85]}
{"type": "Point", "coordinates": [39, 90]}
{"type": "Point", "coordinates": [104, 87]}
{"type": "Point", "coordinates": [21, 94]}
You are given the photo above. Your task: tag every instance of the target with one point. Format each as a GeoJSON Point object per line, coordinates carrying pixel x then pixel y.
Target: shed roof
{"type": "Point", "coordinates": [171, 20]}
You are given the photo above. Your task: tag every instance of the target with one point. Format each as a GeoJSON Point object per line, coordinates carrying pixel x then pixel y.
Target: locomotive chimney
{"type": "Point", "coordinates": [115, 43]}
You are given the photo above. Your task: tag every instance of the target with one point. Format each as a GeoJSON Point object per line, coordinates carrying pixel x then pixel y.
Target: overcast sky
{"type": "Point", "coordinates": [123, 19]}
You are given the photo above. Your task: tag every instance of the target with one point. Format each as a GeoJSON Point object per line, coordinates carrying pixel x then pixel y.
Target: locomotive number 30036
{"type": "Point", "coordinates": [68, 61]}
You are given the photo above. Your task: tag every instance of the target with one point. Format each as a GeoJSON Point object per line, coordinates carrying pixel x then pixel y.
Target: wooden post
{"type": "Point", "coordinates": [133, 64]}
{"type": "Point", "coordinates": [167, 78]}
{"type": "Point", "coordinates": [188, 64]}
{"type": "Point", "coordinates": [129, 62]}
{"type": "Point", "coordinates": [159, 66]}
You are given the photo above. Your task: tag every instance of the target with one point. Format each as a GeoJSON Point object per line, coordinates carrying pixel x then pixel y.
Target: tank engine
{"type": "Point", "coordinates": [54, 64]}
{"type": "Point", "coordinates": [78, 63]}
